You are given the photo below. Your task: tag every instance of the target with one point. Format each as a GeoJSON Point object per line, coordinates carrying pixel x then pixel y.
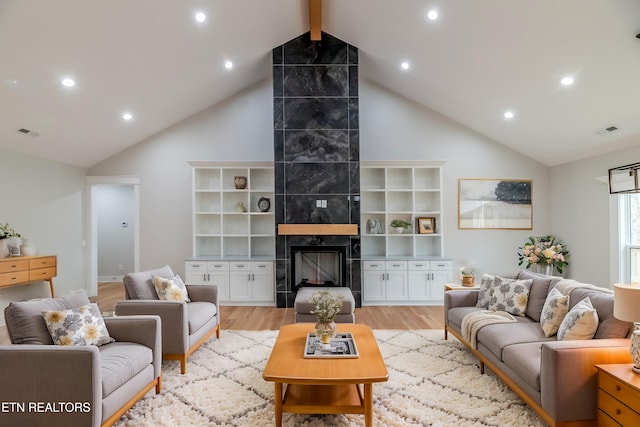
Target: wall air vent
{"type": "Point", "coordinates": [28, 132]}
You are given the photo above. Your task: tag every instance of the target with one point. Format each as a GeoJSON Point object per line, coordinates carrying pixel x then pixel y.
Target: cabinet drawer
{"type": "Point", "coordinates": [605, 420]}
{"type": "Point", "coordinates": [373, 265]}
{"type": "Point", "coordinates": [42, 273]}
{"type": "Point", "coordinates": [419, 265]}
{"type": "Point", "coordinates": [620, 412]}
{"type": "Point", "coordinates": [217, 266]}
{"type": "Point", "coordinates": [262, 266]}
{"type": "Point", "coordinates": [240, 266]}
{"type": "Point", "coordinates": [13, 265]}
{"type": "Point", "coordinates": [620, 391]}
{"type": "Point", "coordinates": [13, 278]}
{"type": "Point", "coordinates": [396, 265]}
{"type": "Point", "coordinates": [42, 262]}
{"type": "Point", "coordinates": [195, 266]}
{"type": "Point", "coordinates": [441, 265]}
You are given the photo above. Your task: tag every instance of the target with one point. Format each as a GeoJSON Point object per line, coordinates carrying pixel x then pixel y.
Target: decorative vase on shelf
{"type": "Point", "coordinates": [240, 182]}
{"type": "Point", "coordinates": [399, 230]}
{"type": "Point", "coordinates": [325, 330]}
{"type": "Point", "coordinates": [467, 280]}
{"type": "Point", "coordinates": [14, 245]}
{"type": "Point", "coordinates": [27, 248]}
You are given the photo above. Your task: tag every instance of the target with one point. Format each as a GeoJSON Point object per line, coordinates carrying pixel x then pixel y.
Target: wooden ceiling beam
{"type": "Point", "coordinates": [315, 19]}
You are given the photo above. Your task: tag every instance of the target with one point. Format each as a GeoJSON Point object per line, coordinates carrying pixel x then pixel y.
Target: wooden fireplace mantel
{"type": "Point", "coordinates": [318, 229]}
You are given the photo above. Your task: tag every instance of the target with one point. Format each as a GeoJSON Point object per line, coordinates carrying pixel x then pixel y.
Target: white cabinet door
{"type": "Point", "coordinates": [374, 285]}
{"type": "Point", "coordinates": [209, 273]}
{"type": "Point", "coordinates": [396, 280]}
{"type": "Point", "coordinates": [239, 289]}
{"type": "Point", "coordinates": [419, 285]}
{"type": "Point", "coordinates": [262, 282]}
{"type": "Point", "coordinates": [439, 279]}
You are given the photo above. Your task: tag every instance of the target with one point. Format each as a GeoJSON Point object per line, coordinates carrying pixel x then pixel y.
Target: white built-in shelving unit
{"type": "Point", "coordinates": [401, 190]}
{"type": "Point", "coordinates": [220, 228]}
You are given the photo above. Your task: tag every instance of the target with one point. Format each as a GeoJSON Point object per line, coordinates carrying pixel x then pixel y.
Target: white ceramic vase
{"type": "Point", "coordinates": [4, 248]}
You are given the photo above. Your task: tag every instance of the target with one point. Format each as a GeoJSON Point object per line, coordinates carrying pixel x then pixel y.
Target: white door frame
{"type": "Point", "coordinates": [92, 223]}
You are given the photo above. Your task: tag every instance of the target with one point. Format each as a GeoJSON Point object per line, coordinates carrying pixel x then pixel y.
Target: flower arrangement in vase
{"type": "Point", "coordinates": [544, 251]}
{"type": "Point", "coordinates": [327, 305]}
{"type": "Point", "coordinates": [10, 241]}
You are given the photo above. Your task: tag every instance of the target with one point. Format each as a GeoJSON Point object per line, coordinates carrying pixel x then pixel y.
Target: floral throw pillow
{"type": "Point", "coordinates": [172, 289]}
{"type": "Point", "coordinates": [510, 295]}
{"type": "Point", "coordinates": [580, 323]}
{"type": "Point", "coordinates": [486, 290]}
{"type": "Point", "coordinates": [554, 310]}
{"type": "Point", "coordinates": [77, 326]}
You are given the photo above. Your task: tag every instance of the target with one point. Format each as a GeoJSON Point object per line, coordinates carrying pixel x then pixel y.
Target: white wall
{"type": "Point", "coordinates": [392, 128]}
{"type": "Point", "coordinates": [43, 201]}
{"type": "Point", "coordinates": [237, 129]}
{"type": "Point", "coordinates": [580, 214]}
{"type": "Point", "coordinates": [115, 206]}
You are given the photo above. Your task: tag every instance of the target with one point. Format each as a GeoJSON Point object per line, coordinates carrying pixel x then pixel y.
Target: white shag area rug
{"type": "Point", "coordinates": [432, 382]}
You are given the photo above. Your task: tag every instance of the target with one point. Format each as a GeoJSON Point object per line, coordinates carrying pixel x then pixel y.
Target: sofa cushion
{"type": "Point", "coordinates": [540, 288]}
{"type": "Point", "coordinates": [580, 323]}
{"type": "Point", "coordinates": [172, 289]}
{"type": "Point", "coordinates": [498, 336]}
{"type": "Point", "coordinates": [486, 290]}
{"type": "Point", "coordinates": [139, 285]}
{"type": "Point", "coordinates": [510, 295]}
{"type": "Point", "coordinates": [554, 310]}
{"type": "Point", "coordinates": [121, 361]}
{"type": "Point", "coordinates": [199, 313]}
{"type": "Point", "coordinates": [77, 326]}
{"type": "Point", "coordinates": [25, 324]}
{"type": "Point", "coordinates": [602, 300]}
{"type": "Point", "coordinates": [456, 314]}
{"type": "Point", "coordinates": [524, 360]}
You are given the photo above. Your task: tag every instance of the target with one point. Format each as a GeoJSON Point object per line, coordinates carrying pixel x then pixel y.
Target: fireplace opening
{"type": "Point", "coordinates": [318, 266]}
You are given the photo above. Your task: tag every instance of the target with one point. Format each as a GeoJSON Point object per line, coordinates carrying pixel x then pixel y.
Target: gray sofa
{"type": "Point", "coordinates": [87, 385]}
{"type": "Point", "coordinates": [556, 378]}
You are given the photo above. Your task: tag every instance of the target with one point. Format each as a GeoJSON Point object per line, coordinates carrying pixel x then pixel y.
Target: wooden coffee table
{"type": "Point", "coordinates": [324, 386]}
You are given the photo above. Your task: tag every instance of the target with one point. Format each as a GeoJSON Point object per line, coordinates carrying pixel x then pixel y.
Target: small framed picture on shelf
{"type": "Point", "coordinates": [426, 225]}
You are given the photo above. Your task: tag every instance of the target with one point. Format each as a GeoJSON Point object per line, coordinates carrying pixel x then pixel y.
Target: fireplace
{"type": "Point", "coordinates": [318, 266]}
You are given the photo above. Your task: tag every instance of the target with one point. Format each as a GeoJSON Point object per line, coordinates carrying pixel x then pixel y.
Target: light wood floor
{"type": "Point", "coordinates": [260, 318]}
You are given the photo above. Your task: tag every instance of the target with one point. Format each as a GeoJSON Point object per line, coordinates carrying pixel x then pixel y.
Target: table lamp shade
{"type": "Point", "coordinates": [626, 307]}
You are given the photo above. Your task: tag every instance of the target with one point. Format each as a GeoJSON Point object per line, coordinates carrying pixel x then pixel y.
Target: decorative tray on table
{"type": "Point", "coordinates": [341, 346]}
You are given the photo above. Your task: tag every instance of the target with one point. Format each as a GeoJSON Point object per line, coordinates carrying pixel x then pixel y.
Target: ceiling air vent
{"type": "Point", "coordinates": [28, 132]}
{"type": "Point", "coordinates": [607, 130]}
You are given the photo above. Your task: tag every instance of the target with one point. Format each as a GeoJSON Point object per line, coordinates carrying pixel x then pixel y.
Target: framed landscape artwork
{"type": "Point", "coordinates": [495, 204]}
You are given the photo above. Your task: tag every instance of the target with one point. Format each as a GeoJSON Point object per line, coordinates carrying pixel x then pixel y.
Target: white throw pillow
{"type": "Point", "coordinates": [486, 290]}
{"type": "Point", "coordinates": [554, 310]}
{"type": "Point", "coordinates": [172, 289]}
{"type": "Point", "coordinates": [580, 323]}
{"type": "Point", "coordinates": [510, 295]}
{"type": "Point", "coordinates": [77, 326]}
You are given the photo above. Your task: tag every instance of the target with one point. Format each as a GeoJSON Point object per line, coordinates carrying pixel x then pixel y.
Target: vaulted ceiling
{"type": "Point", "coordinates": [478, 60]}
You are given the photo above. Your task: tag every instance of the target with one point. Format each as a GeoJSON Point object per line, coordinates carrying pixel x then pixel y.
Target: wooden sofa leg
{"type": "Point", "coordinates": [481, 367]}
{"type": "Point", "coordinates": [218, 331]}
{"type": "Point", "coordinates": [183, 364]}
{"type": "Point", "coordinates": [159, 385]}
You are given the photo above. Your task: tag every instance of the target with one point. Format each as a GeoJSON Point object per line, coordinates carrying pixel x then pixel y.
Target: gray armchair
{"type": "Point", "coordinates": [85, 385]}
{"type": "Point", "coordinates": [185, 326]}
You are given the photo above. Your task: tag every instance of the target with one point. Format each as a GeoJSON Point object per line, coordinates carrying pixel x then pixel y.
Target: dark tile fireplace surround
{"type": "Point", "coordinates": [316, 152]}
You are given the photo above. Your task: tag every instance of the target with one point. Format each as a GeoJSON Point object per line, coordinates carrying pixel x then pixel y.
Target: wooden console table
{"type": "Point", "coordinates": [22, 270]}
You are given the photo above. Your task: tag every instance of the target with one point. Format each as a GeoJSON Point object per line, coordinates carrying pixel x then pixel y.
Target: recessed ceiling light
{"type": "Point", "coordinates": [567, 81]}
{"type": "Point", "coordinates": [67, 82]}
{"type": "Point", "coordinates": [127, 116]}
{"type": "Point", "coordinates": [200, 17]}
{"type": "Point", "coordinates": [432, 15]}
{"type": "Point", "coordinates": [228, 65]}
{"type": "Point", "coordinates": [405, 65]}
{"type": "Point", "coordinates": [508, 114]}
